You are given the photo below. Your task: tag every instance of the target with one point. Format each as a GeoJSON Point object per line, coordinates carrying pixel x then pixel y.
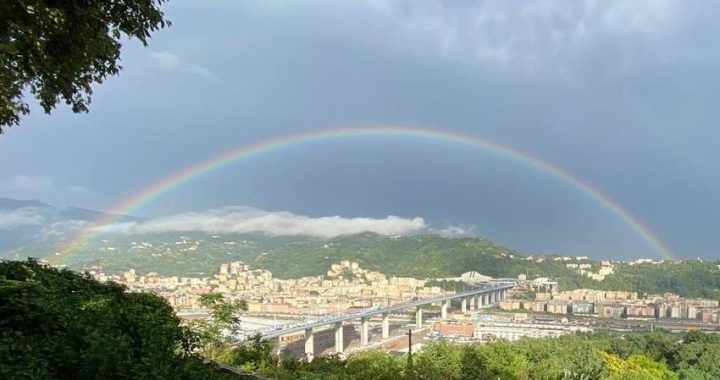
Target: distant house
{"type": "Point", "coordinates": [582, 308]}
{"type": "Point", "coordinates": [557, 307]}
{"type": "Point", "coordinates": [613, 310]}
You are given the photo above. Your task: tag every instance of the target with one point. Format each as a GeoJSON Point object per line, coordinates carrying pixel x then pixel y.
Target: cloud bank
{"type": "Point", "coordinates": [453, 231]}
{"type": "Point", "coordinates": [528, 34]}
{"type": "Point", "coordinates": [244, 220]}
{"type": "Point", "coordinates": [45, 188]}
{"type": "Point", "coordinates": [62, 229]}
{"type": "Point", "coordinates": [22, 217]}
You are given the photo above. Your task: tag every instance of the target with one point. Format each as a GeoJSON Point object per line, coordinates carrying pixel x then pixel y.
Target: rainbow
{"type": "Point", "coordinates": [178, 178]}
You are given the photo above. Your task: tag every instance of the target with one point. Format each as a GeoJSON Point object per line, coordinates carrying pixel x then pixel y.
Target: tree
{"type": "Point", "coordinates": [56, 324]}
{"type": "Point", "coordinates": [57, 49]}
{"type": "Point", "coordinates": [374, 365]}
{"type": "Point", "coordinates": [637, 367]}
{"type": "Point", "coordinates": [439, 360]}
{"type": "Point", "coordinates": [215, 334]}
{"type": "Point", "coordinates": [255, 355]}
{"type": "Point", "coordinates": [499, 360]}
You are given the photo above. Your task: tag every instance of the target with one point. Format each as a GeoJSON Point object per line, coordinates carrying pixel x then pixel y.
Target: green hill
{"type": "Point", "coordinates": [421, 256]}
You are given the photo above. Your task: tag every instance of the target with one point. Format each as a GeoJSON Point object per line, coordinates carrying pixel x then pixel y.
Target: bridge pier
{"type": "Point", "coordinates": [385, 325]}
{"type": "Point", "coordinates": [309, 344]}
{"type": "Point", "coordinates": [463, 305]}
{"type": "Point", "coordinates": [444, 309]}
{"type": "Point", "coordinates": [418, 317]}
{"type": "Point", "coordinates": [339, 344]}
{"type": "Point", "coordinates": [364, 331]}
{"type": "Point", "coordinates": [472, 303]}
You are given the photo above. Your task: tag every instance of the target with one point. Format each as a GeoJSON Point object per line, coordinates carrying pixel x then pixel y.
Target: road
{"type": "Point", "coordinates": [375, 311]}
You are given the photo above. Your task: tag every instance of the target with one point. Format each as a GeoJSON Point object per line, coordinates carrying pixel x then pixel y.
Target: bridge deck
{"type": "Point", "coordinates": [389, 309]}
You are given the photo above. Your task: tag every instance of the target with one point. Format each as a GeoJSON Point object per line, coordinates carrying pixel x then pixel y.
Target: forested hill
{"type": "Point", "coordinates": [421, 256]}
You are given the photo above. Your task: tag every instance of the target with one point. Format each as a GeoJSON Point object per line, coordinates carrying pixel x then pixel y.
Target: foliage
{"type": "Point", "coordinates": [571, 357]}
{"type": "Point", "coordinates": [691, 278]}
{"type": "Point", "coordinates": [216, 332]}
{"type": "Point", "coordinates": [58, 49]}
{"type": "Point", "coordinates": [636, 367]}
{"type": "Point", "coordinates": [374, 365]}
{"type": "Point", "coordinates": [56, 324]}
{"type": "Point", "coordinates": [439, 361]}
{"type": "Point", "coordinates": [495, 361]}
{"type": "Point", "coordinates": [254, 356]}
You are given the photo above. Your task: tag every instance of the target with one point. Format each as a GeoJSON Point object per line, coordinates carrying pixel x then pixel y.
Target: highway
{"type": "Point", "coordinates": [389, 309]}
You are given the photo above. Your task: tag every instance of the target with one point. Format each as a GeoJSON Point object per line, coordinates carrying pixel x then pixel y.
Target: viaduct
{"type": "Point", "coordinates": [482, 296]}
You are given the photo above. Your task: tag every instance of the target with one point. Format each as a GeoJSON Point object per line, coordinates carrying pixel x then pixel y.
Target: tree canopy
{"type": "Point", "coordinates": [56, 324]}
{"type": "Point", "coordinates": [57, 49]}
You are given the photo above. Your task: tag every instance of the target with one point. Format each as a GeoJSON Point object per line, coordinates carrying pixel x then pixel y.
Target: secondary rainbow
{"type": "Point", "coordinates": [174, 180]}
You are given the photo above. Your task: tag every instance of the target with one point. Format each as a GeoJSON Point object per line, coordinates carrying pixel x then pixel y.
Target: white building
{"type": "Point", "coordinates": [488, 331]}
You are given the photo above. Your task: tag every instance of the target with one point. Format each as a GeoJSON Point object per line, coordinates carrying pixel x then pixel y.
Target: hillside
{"type": "Point", "coordinates": [421, 256]}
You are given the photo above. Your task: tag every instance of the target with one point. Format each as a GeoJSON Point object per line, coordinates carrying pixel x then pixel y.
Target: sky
{"type": "Point", "coordinates": [623, 95]}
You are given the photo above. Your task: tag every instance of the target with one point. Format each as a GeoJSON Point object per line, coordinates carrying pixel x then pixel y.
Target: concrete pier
{"type": "Point", "coordinates": [386, 325]}
{"type": "Point", "coordinates": [364, 331]}
{"type": "Point", "coordinates": [339, 343]}
{"type": "Point", "coordinates": [309, 344]}
{"type": "Point", "coordinates": [418, 317]}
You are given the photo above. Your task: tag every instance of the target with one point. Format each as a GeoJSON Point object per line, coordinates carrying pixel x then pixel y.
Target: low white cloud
{"type": "Point", "coordinates": [63, 229]}
{"type": "Point", "coordinates": [456, 231]}
{"type": "Point", "coordinates": [166, 60]}
{"type": "Point", "coordinates": [22, 217]}
{"type": "Point", "coordinates": [244, 220]}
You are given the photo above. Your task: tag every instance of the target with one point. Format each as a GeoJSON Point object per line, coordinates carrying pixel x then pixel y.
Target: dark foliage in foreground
{"type": "Point", "coordinates": [57, 324]}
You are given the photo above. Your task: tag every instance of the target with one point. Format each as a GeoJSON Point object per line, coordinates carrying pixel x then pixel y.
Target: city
{"type": "Point", "coordinates": [359, 190]}
{"type": "Point", "coordinates": [535, 308]}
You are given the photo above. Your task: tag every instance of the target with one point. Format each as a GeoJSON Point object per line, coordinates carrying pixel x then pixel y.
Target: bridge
{"type": "Point", "coordinates": [482, 296]}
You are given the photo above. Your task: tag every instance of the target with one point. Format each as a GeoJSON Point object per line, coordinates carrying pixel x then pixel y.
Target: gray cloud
{"type": "Point", "coordinates": [244, 219]}
{"type": "Point", "coordinates": [44, 188]}
{"type": "Point", "coordinates": [532, 37]}
{"type": "Point", "coordinates": [22, 217]}
{"type": "Point", "coordinates": [619, 93]}
{"type": "Point", "coordinates": [63, 229]}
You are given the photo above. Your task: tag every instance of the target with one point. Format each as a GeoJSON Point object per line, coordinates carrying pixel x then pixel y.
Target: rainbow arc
{"type": "Point", "coordinates": [166, 184]}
